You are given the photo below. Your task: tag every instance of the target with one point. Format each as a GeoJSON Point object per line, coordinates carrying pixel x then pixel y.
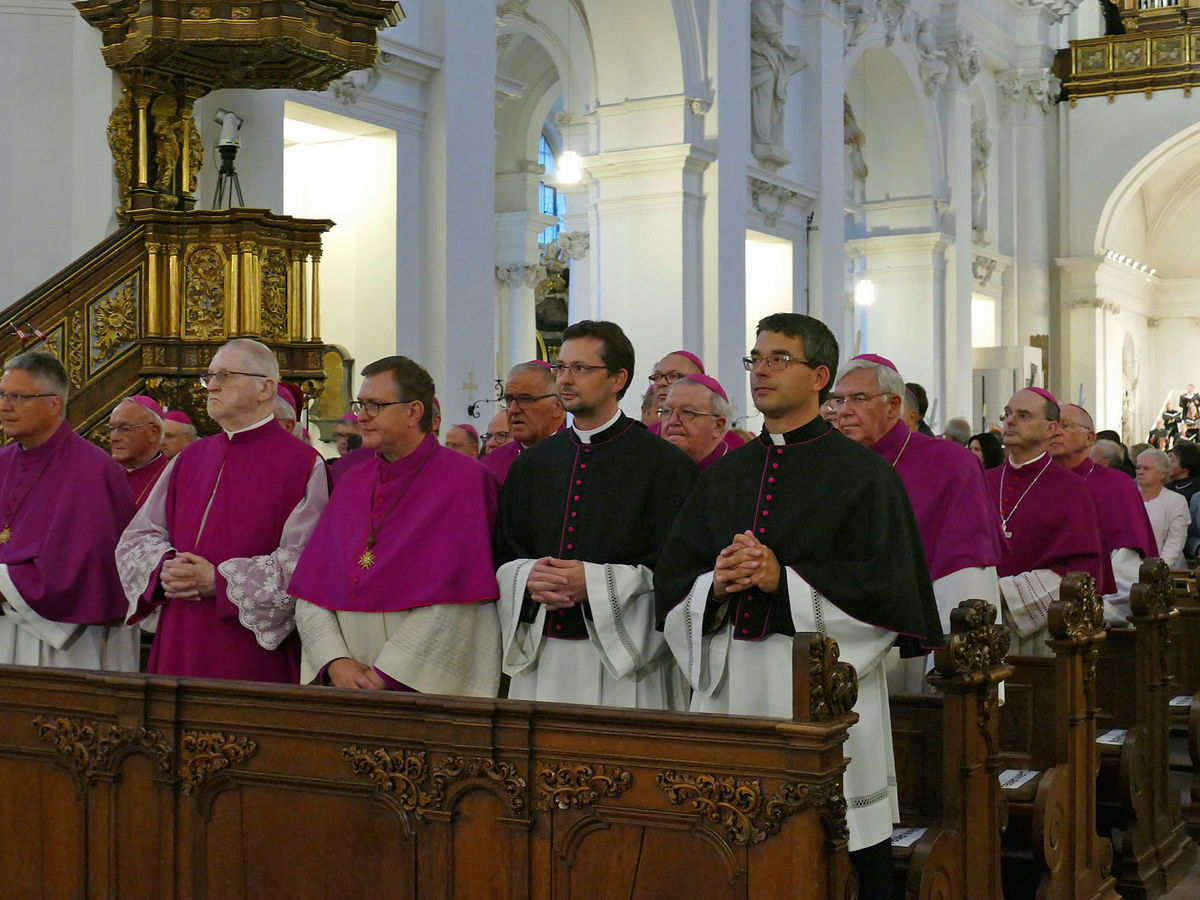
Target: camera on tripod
{"type": "Point", "coordinates": [227, 147]}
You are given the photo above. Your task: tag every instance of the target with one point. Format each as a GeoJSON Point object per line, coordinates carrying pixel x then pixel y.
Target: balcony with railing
{"type": "Point", "coordinates": [1152, 45]}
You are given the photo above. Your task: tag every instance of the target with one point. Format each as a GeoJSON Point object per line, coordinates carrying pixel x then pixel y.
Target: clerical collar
{"type": "Point", "coordinates": [259, 424]}
{"type": "Point", "coordinates": [814, 428]}
{"type": "Point", "coordinates": [1030, 462]}
{"type": "Point", "coordinates": [152, 459]}
{"type": "Point", "coordinates": [585, 436]}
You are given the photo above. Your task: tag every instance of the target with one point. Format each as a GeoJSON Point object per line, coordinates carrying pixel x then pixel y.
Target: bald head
{"type": "Point", "coordinates": [1072, 442]}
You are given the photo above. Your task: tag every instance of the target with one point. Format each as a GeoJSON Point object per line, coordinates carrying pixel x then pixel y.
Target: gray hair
{"type": "Point", "coordinates": [1155, 456]}
{"type": "Point", "coordinates": [262, 355]}
{"type": "Point", "coordinates": [888, 379]}
{"type": "Point", "coordinates": [1113, 452]}
{"type": "Point", "coordinates": [46, 368]}
{"type": "Point", "coordinates": [548, 379]}
{"type": "Point", "coordinates": [959, 431]}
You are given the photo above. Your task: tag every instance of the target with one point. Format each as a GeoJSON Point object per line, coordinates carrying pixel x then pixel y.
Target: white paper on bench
{"type": "Point", "coordinates": [1115, 737]}
{"type": "Point", "coordinates": [1181, 700]}
{"type": "Point", "coordinates": [906, 837]}
{"type": "Point", "coordinates": [1014, 778]}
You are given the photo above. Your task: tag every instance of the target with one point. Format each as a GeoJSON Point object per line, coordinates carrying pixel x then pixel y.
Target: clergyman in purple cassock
{"type": "Point", "coordinates": [1048, 521]}
{"type": "Point", "coordinates": [63, 503]}
{"type": "Point", "coordinates": [1125, 528]}
{"type": "Point", "coordinates": [421, 610]}
{"type": "Point", "coordinates": [245, 500]}
{"type": "Point", "coordinates": [960, 532]}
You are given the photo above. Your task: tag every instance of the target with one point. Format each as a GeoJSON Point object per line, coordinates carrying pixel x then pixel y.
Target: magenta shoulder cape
{"type": "Point", "coordinates": [432, 513]}
{"type": "Point", "coordinates": [1123, 519]}
{"type": "Point", "coordinates": [65, 504]}
{"type": "Point", "coordinates": [959, 527]}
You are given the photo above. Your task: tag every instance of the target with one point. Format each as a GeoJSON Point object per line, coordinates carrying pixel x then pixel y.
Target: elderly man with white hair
{"type": "Point", "coordinates": [959, 530]}
{"type": "Point", "coordinates": [1168, 511]}
{"type": "Point", "coordinates": [695, 417]}
{"type": "Point", "coordinates": [217, 539]}
{"type": "Point", "coordinates": [135, 430]}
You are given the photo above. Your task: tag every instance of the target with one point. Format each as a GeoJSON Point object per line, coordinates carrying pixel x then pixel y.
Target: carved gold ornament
{"type": "Point", "coordinates": [1152, 595]}
{"type": "Point", "coordinates": [1078, 614]}
{"type": "Point", "coordinates": [739, 807]}
{"type": "Point", "coordinates": [563, 786]}
{"type": "Point", "coordinates": [204, 294]}
{"type": "Point", "coordinates": [114, 320]}
{"type": "Point", "coordinates": [274, 293]}
{"type": "Point", "coordinates": [833, 685]}
{"type": "Point", "coordinates": [91, 747]}
{"type": "Point", "coordinates": [976, 643]}
{"type": "Point", "coordinates": [205, 753]}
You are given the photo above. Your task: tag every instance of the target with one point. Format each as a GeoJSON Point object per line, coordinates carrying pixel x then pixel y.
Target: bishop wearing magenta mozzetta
{"type": "Point", "coordinates": [1047, 517]}
{"type": "Point", "coordinates": [396, 588]}
{"type": "Point", "coordinates": [63, 503]}
{"type": "Point", "coordinates": [215, 543]}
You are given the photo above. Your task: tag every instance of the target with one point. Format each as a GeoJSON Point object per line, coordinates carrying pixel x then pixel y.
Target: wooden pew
{"type": "Point", "coordinates": [1183, 664]}
{"type": "Point", "coordinates": [946, 765]}
{"type": "Point", "coordinates": [1050, 847]}
{"type": "Point", "coordinates": [126, 786]}
{"type": "Point", "coordinates": [1136, 805]}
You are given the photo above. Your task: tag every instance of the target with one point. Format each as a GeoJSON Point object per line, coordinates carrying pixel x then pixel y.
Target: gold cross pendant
{"type": "Point", "coordinates": [5, 535]}
{"type": "Point", "coordinates": [366, 560]}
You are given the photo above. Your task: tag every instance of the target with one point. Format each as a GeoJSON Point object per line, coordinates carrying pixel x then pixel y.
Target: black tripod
{"type": "Point", "coordinates": [227, 174]}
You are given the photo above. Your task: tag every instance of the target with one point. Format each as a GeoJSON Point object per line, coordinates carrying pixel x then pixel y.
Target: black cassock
{"type": "Point", "coordinates": [829, 508]}
{"type": "Point", "coordinates": [611, 501]}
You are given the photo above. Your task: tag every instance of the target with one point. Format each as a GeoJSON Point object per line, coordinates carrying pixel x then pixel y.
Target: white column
{"type": "Point", "coordinates": [458, 321]}
{"type": "Point", "coordinates": [824, 82]}
{"type": "Point", "coordinates": [649, 267]}
{"type": "Point", "coordinates": [952, 335]}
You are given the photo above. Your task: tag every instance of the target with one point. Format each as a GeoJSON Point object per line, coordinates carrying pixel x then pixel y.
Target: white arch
{"type": "Point", "coordinates": [1146, 168]}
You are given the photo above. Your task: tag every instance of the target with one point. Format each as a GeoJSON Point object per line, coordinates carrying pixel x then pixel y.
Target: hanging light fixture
{"type": "Point", "coordinates": [864, 292]}
{"type": "Point", "coordinates": [569, 167]}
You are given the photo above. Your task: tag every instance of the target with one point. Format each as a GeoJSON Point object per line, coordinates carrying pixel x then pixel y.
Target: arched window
{"type": "Point", "coordinates": [550, 201]}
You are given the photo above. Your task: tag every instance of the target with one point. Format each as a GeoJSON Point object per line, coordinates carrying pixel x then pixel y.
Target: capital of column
{"type": "Point", "coordinates": [516, 275]}
{"type": "Point", "coordinates": [1029, 90]}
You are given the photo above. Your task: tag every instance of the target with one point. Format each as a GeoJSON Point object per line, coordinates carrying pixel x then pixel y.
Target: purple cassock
{"type": "Point", "coordinates": [344, 464]}
{"type": "Point", "coordinates": [143, 478]}
{"type": "Point", "coordinates": [63, 505]}
{"type": "Point", "coordinates": [245, 502]}
{"type": "Point", "coordinates": [1123, 519]}
{"type": "Point", "coordinates": [500, 460]}
{"type": "Point", "coordinates": [428, 535]}
{"type": "Point", "coordinates": [959, 528]}
{"type": "Point", "coordinates": [1050, 519]}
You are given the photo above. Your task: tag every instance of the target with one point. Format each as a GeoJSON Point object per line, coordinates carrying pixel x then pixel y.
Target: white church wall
{"type": "Point", "coordinates": [56, 95]}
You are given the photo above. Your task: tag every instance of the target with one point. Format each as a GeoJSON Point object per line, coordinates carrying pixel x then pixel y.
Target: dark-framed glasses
{"type": "Point", "coordinates": [666, 377]}
{"type": "Point", "coordinates": [776, 362]}
{"type": "Point", "coordinates": [685, 414]}
{"type": "Point", "coordinates": [223, 377]}
{"type": "Point", "coordinates": [373, 407]}
{"type": "Point", "coordinates": [501, 437]}
{"type": "Point", "coordinates": [18, 399]}
{"type": "Point", "coordinates": [576, 369]}
{"type": "Point", "coordinates": [524, 401]}
{"type": "Point", "coordinates": [126, 429]}
{"type": "Point", "coordinates": [836, 402]}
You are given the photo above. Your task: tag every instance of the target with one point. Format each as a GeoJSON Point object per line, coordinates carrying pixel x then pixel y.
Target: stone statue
{"type": "Point", "coordinates": [931, 62]}
{"type": "Point", "coordinates": [772, 64]}
{"type": "Point", "coordinates": [859, 15]}
{"type": "Point", "coordinates": [981, 149]}
{"type": "Point", "coordinates": [167, 146]}
{"type": "Point", "coordinates": [120, 142]}
{"type": "Point", "coordinates": [855, 141]}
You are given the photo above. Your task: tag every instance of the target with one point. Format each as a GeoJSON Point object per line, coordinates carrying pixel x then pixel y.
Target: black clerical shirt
{"type": "Point", "coordinates": [829, 508]}
{"type": "Point", "coordinates": [609, 501]}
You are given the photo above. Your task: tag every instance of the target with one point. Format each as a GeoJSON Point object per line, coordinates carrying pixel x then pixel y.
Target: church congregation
{"type": "Point", "coordinates": [587, 560]}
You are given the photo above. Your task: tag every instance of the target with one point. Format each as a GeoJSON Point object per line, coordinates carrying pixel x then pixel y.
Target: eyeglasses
{"type": "Point", "coordinates": [836, 402]}
{"type": "Point", "coordinates": [524, 401]}
{"type": "Point", "coordinates": [1067, 426]}
{"type": "Point", "coordinates": [18, 399]}
{"type": "Point", "coordinates": [685, 415]}
{"type": "Point", "coordinates": [372, 407]}
{"type": "Point", "coordinates": [1020, 415]}
{"type": "Point", "coordinates": [576, 369]}
{"type": "Point", "coordinates": [666, 377]}
{"type": "Point", "coordinates": [500, 437]}
{"type": "Point", "coordinates": [776, 362]}
{"type": "Point", "coordinates": [126, 429]}
{"type": "Point", "coordinates": [222, 377]}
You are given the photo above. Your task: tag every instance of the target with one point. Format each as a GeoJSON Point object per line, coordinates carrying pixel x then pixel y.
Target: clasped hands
{"type": "Point", "coordinates": [557, 583]}
{"type": "Point", "coordinates": [187, 576]}
{"type": "Point", "coordinates": [744, 564]}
